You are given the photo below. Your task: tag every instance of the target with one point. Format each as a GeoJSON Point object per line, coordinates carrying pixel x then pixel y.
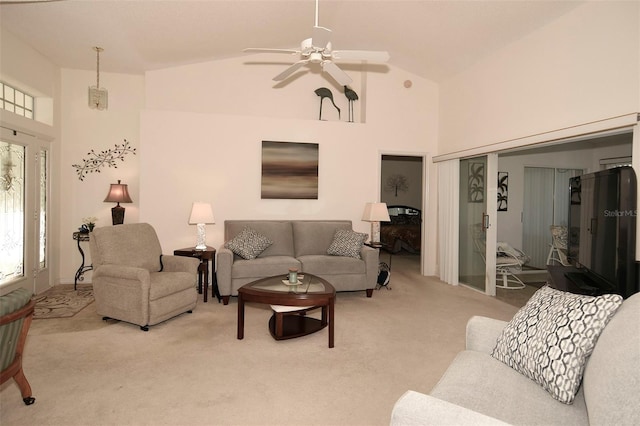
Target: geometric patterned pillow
{"type": "Point", "coordinates": [550, 339]}
{"type": "Point", "coordinates": [347, 243]}
{"type": "Point", "coordinates": [248, 244]}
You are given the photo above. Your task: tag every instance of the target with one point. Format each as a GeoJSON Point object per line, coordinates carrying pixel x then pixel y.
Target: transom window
{"type": "Point", "coordinates": [16, 101]}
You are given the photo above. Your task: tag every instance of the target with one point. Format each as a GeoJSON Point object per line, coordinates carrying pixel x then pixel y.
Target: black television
{"type": "Point", "coordinates": [602, 231]}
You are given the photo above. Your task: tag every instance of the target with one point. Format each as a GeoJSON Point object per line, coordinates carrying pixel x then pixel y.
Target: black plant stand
{"type": "Point", "coordinates": [81, 236]}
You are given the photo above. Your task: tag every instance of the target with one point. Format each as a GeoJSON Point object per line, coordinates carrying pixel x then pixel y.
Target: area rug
{"type": "Point", "coordinates": [62, 301]}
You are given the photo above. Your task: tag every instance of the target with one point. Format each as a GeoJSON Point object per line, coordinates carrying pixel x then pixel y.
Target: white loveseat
{"type": "Point", "coordinates": [477, 389]}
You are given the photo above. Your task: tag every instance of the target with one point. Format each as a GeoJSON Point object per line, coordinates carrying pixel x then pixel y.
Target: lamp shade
{"type": "Point", "coordinates": [201, 213]}
{"type": "Point", "coordinates": [118, 193]}
{"type": "Point", "coordinates": [376, 212]}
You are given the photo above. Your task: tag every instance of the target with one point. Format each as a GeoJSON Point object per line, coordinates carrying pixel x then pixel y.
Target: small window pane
{"type": "Point", "coordinates": [14, 100]}
{"type": "Point", "coordinates": [9, 94]}
{"type": "Point", "coordinates": [19, 98]}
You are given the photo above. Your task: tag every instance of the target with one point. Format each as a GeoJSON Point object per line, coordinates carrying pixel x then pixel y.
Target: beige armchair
{"type": "Point", "coordinates": [134, 282]}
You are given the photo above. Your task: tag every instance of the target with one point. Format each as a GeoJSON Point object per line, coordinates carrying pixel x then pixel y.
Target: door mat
{"type": "Point", "coordinates": [62, 301]}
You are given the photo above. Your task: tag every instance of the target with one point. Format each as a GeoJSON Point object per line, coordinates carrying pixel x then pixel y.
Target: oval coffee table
{"type": "Point", "coordinates": [290, 304]}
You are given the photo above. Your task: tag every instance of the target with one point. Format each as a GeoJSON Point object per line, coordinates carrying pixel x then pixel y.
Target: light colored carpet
{"type": "Point", "coordinates": [62, 301]}
{"type": "Point", "coordinates": [192, 370]}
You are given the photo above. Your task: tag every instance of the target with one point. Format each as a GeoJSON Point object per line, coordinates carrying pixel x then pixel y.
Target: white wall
{"type": "Point", "coordinates": [85, 129]}
{"type": "Point", "coordinates": [192, 150]}
{"type": "Point", "coordinates": [583, 67]}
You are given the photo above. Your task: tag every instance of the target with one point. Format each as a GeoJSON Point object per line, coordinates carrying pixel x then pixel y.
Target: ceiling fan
{"type": "Point", "coordinates": [318, 50]}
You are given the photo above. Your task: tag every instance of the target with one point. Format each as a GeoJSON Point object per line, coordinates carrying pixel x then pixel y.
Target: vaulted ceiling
{"type": "Point", "coordinates": [433, 39]}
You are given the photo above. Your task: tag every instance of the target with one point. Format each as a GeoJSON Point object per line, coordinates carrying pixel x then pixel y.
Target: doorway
{"type": "Point", "coordinates": [402, 189]}
{"type": "Point", "coordinates": [24, 201]}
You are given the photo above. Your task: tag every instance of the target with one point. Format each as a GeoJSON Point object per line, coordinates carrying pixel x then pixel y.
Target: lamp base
{"type": "Point", "coordinates": [117, 215]}
{"type": "Point", "coordinates": [375, 232]}
{"type": "Point", "coordinates": [202, 238]}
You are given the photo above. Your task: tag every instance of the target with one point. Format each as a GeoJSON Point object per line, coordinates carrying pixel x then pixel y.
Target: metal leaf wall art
{"type": "Point", "coordinates": [108, 157]}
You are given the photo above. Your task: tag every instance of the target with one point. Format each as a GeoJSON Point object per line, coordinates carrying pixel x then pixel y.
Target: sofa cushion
{"type": "Point", "coordinates": [347, 243]}
{"type": "Point", "coordinates": [167, 283]}
{"type": "Point", "coordinates": [477, 381]}
{"type": "Point", "coordinates": [322, 264]}
{"type": "Point", "coordinates": [315, 237]}
{"type": "Point", "coordinates": [264, 267]}
{"type": "Point", "coordinates": [248, 244]}
{"type": "Point", "coordinates": [550, 339]}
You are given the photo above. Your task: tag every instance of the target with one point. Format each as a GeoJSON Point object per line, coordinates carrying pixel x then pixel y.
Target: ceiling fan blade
{"type": "Point", "coordinates": [336, 73]}
{"type": "Point", "coordinates": [293, 68]}
{"type": "Point", "coordinates": [268, 50]}
{"type": "Point", "coordinates": [321, 37]}
{"type": "Point", "coordinates": [361, 55]}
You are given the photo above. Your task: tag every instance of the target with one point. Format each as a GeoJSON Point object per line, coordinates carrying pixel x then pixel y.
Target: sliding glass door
{"type": "Point", "coordinates": [478, 182]}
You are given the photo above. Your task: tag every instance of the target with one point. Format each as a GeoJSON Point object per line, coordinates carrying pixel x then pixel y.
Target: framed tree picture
{"type": "Point", "coordinates": [289, 170]}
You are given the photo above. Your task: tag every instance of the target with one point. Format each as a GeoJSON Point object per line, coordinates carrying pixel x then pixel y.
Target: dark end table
{"type": "Point", "coordinates": [382, 265]}
{"type": "Point", "coordinates": [209, 254]}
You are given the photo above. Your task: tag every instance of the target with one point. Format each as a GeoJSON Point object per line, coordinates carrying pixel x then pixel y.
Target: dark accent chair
{"type": "Point", "coordinates": [16, 313]}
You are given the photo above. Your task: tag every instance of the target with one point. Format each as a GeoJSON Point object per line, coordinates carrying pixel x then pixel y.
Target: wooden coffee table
{"type": "Point", "coordinates": [312, 292]}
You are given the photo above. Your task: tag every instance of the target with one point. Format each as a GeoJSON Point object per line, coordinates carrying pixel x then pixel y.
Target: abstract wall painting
{"type": "Point", "coordinates": [289, 170]}
{"type": "Point", "coordinates": [503, 191]}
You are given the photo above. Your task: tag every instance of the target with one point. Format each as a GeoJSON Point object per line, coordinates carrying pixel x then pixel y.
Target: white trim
{"type": "Point", "coordinates": [491, 192]}
{"type": "Point", "coordinates": [605, 127]}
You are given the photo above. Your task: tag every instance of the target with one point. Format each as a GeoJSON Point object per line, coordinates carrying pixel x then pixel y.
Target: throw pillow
{"type": "Point", "coordinates": [248, 244]}
{"type": "Point", "coordinates": [550, 339]}
{"type": "Point", "coordinates": [347, 243]}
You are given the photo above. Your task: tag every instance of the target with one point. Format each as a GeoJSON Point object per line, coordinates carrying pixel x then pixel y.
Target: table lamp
{"type": "Point", "coordinates": [118, 193]}
{"type": "Point", "coordinates": [201, 214]}
{"type": "Point", "coordinates": [375, 213]}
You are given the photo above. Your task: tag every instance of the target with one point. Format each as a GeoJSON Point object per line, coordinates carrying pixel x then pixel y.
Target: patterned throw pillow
{"type": "Point", "coordinates": [248, 244]}
{"type": "Point", "coordinates": [550, 339]}
{"type": "Point", "coordinates": [347, 243]}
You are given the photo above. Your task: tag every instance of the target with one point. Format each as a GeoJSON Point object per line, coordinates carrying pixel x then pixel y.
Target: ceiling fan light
{"type": "Point", "coordinates": [315, 57]}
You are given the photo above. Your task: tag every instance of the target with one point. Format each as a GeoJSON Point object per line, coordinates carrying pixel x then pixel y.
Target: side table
{"type": "Point", "coordinates": [81, 236]}
{"type": "Point", "coordinates": [209, 254]}
{"type": "Point", "coordinates": [382, 265]}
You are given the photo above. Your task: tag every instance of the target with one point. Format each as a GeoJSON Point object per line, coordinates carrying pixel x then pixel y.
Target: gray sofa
{"type": "Point", "coordinates": [478, 389]}
{"type": "Point", "coordinates": [298, 244]}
